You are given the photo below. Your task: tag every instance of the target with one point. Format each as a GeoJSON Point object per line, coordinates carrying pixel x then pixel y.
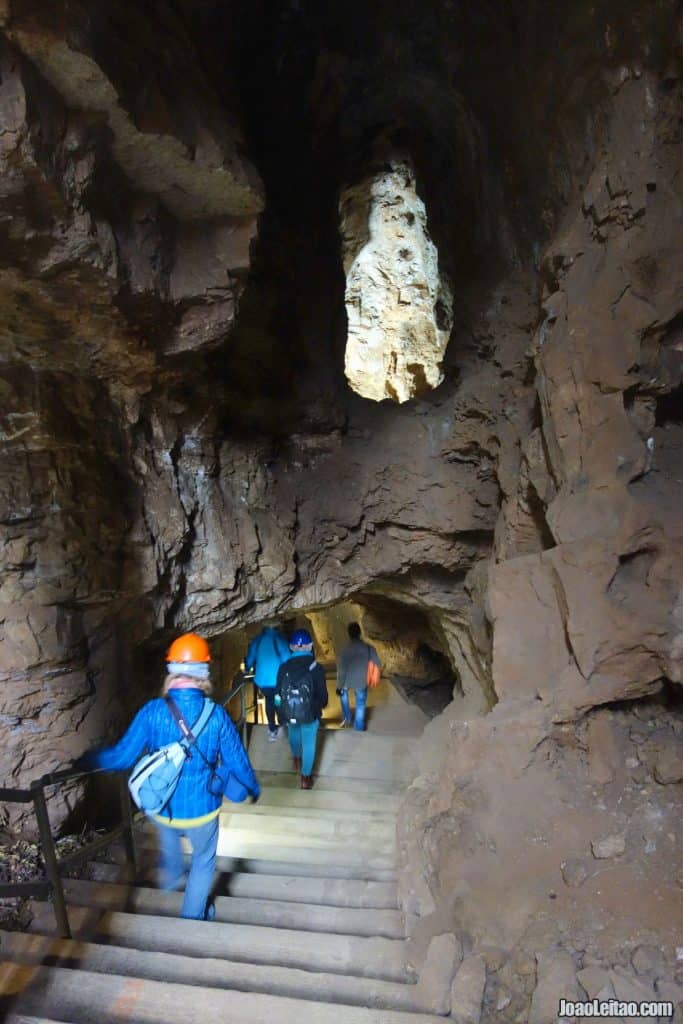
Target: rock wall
{"type": "Point", "coordinates": [539, 807]}
{"type": "Point", "coordinates": [100, 279]}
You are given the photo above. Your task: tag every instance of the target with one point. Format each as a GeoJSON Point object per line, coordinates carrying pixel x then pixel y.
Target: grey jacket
{"type": "Point", "coordinates": [352, 665]}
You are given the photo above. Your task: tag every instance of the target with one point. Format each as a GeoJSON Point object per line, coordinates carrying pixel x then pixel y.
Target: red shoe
{"type": "Point", "coordinates": [307, 782]}
{"type": "Point", "coordinates": [296, 764]}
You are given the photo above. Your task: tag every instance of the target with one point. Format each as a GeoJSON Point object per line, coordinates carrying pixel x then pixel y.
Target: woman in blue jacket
{"type": "Point", "coordinates": [192, 810]}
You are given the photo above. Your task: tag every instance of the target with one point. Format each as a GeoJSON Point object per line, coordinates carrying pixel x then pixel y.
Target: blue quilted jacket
{"type": "Point", "coordinates": [154, 726]}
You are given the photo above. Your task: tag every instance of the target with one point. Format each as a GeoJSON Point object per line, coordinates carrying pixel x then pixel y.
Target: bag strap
{"type": "Point", "coordinates": [190, 735]}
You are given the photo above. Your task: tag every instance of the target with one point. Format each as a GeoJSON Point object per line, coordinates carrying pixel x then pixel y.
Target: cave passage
{"type": "Point", "coordinates": [416, 673]}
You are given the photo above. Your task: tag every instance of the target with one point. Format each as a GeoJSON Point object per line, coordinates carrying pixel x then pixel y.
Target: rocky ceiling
{"type": "Point", "coordinates": [179, 446]}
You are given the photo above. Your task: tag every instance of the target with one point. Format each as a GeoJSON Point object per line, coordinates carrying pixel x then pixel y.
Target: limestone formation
{"type": "Point", "coordinates": [398, 305]}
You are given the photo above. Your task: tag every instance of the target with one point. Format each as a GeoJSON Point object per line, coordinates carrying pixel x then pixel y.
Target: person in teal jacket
{"type": "Point", "coordinates": [265, 654]}
{"type": "Point", "coordinates": [192, 810]}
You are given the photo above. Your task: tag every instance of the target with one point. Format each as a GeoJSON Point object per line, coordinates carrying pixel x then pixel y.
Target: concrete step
{"type": "Point", "coordinates": [294, 850]}
{"type": "Point", "coordinates": [321, 828]}
{"type": "Point", "coordinates": [238, 910]}
{"type": "Point", "coordinates": [264, 863]}
{"type": "Point", "coordinates": [285, 779]}
{"type": "Point", "coordinates": [380, 958]}
{"type": "Point", "coordinates": [72, 995]}
{"type": "Point", "coordinates": [34, 950]}
{"type": "Point", "coordinates": [307, 853]}
{"type": "Point", "coordinates": [344, 753]}
{"type": "Point", "coordinates": [331, 892]}
{"type": "Point", "coordinates": [312, 804]}
{"type": "Point", "coordinates": [316, 866]}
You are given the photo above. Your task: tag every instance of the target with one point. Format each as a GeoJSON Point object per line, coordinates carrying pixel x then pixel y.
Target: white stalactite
{"type": "Point", "coordinates": [399, 307]}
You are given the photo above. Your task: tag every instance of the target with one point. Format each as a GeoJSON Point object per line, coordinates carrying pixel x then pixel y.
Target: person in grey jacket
{"type": "Point", "coordinates": [352, 667]}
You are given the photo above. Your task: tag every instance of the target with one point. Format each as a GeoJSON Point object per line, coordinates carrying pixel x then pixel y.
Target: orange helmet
{"type": "Point", "coordinates": [189, 647]}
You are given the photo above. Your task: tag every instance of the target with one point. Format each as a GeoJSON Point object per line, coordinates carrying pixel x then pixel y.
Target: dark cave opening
{"type": "Point", "coordinates": [669, 408]}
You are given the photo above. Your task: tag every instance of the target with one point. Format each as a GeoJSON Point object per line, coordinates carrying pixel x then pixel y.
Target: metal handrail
{"type": "Point", "coordinates": [239, 687]}
{"type": "Point", "coordinates": [54, 864]}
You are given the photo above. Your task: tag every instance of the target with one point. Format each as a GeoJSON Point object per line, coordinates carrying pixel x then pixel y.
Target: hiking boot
{"type": "Point", "coordinates": [307, 782]}
{"type": "Point", "coordinates": [296, 764]}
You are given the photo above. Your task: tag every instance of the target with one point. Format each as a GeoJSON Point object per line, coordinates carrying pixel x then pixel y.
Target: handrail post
{"type": "Point", "coordinates": [50, 857]}
{"type": "Point", "coordinates": [243, 716]}
{"type": "Point", "coordinates": [128, 833]}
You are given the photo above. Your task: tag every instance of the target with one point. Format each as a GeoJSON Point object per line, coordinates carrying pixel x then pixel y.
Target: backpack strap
{"type": "Point", "coordinates": [190, 735]}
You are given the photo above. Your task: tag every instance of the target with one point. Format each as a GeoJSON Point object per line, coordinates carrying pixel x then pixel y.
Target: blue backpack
{"type": "Point", "coordinates": [154, 778]}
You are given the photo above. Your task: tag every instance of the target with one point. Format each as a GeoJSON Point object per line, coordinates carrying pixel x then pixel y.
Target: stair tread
{"type": "Point", "coordinates": [356, 860]}
{"type": "Point", "coordinates": [264, 863]}
{"type": "Point", "coordinates": [318, 799]}
{"type": "Point", "coordinates": [323, 891]}
{"type": "Point", "coordinates": [271, 913]}
{"type": "Point", "coordinates": [345, 754]}
{"type": "Point", "coordinates": [72, 994]}
{"type": "Point", "coordinates": [330, 784]}
{"type": "Point", "coordinates": [239, 844]}
{"type": "Point", "coordinates": [332, 829]}
{"type": "Point", "coordinates": [368, 957]}
{"type": "Point", "coordinates": [267, 979]}
{"type": "Point", "coordinates": [342, 817]}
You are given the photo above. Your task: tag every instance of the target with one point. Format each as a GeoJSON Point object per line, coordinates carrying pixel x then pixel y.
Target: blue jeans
{"type": "Point", "coordinates": [302, 741]}
{"type": "Point", "coordinates": [204, 840]}
{"type": "Point", "coordinates": [361, 698]}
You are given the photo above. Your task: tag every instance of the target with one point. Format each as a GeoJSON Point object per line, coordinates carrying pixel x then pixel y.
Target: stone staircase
{"type": "Point", "coordinates": [307, 925]}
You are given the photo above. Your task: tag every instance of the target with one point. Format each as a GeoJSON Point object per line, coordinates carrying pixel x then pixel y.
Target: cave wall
{"type": "Point", "coordinates": [583, 597]}
{"type": "Point", "coordinates": [100, 281]}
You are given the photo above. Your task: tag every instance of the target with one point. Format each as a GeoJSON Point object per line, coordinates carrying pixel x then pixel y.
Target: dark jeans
{"type": "Point", "coordinates": [271, 710]}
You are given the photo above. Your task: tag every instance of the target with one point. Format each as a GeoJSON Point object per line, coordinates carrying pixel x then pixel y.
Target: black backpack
{"type": "Point", "coordinates": [296, 692]}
